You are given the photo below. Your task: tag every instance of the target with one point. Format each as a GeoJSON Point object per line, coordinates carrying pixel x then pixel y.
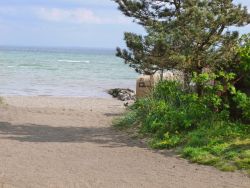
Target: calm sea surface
{"type": "Point", "coordinates": [62, 72]}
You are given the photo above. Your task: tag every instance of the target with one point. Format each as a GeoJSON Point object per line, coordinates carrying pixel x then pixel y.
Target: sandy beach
{"type": "Point", "coordinates": [69, 142]}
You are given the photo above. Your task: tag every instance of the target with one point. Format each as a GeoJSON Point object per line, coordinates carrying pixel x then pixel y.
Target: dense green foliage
{"type": "Point", "coordinates": [171, 118]}
{"type": "Point", "coordinates": [209, 115]}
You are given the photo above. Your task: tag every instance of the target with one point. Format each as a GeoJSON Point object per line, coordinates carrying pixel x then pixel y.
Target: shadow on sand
{"type": "Point", "coordinates": [103, 136]}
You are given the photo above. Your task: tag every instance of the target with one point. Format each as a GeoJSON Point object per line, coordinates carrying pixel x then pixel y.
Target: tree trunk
{"type": "Point", "coordinates": [186, 80]}
{"type": "Point", "coordinates": [199, 86]}
{"type": "Point", "coordinates": [162, 72]}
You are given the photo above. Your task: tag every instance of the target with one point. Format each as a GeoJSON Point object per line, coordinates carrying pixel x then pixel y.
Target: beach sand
{"type": "Point", "coordinates": [69, 142]}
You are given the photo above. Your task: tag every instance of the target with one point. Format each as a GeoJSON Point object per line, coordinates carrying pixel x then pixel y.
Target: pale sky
{"type": "Point", "coordinates": [67, 23]}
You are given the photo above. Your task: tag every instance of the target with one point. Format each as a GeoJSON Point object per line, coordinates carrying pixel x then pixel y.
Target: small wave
{"type": "Point", "coordinates": [72, 61]}
{"type": "Point", "coordinates": [31, 65]}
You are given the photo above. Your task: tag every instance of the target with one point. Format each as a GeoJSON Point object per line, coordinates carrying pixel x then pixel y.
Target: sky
{"type": "Point", "coordinates": [67, 23]}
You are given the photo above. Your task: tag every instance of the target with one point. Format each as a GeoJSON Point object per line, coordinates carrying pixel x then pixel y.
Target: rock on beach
{"type": "Point", "coordinates": [122, 94]}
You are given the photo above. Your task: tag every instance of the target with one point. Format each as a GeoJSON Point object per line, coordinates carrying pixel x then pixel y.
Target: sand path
{"type": "Point", "coordinates": [68, 142]}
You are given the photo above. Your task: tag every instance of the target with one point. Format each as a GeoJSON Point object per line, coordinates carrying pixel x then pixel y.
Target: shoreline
{"type": "Point", "coordinates": [54, 96]}
{"type": "Point", "coordinates": [107, 96]}
{"type": "Point", "coordinates": [58, 102]}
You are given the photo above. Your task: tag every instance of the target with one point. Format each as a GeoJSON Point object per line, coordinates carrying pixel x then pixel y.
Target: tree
{"type": "Point", "coordinates": [203, 25]}
{"type": "Point", "coordinates": [188, 34]}
{"type": "Point", "coordinates": [158, 49]}
{"type": "Point", "coordinates": [150, 53]}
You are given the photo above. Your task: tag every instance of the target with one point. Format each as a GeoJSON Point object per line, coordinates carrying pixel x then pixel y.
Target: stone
{"type": "Point", "coordinates": [122, 94]}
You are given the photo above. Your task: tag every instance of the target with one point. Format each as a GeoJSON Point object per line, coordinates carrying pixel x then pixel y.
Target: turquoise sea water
{"type": "Point", "coordinates": [62, 72]}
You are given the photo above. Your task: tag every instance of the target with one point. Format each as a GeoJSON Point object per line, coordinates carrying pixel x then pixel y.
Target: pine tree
{"type": "Point", "coordinates": [150, 53]}
{"type": "Point", "coordinates": [203, 25]}
{"type": "Point", "coordinates": [158, 49]}
{"type": "Point", "coordinates": [189, 35]}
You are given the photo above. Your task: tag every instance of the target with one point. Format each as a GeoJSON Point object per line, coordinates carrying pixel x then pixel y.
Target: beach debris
{"type": "Point", "coordinates": [122, 94]}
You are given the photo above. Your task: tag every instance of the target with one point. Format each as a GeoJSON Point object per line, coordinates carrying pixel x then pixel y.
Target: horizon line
{"type": "Point", "coordinates": [58, 47]}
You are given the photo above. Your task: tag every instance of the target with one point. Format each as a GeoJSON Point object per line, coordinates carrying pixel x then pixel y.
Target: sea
{"type": "Point", "coordinates": [78, 72]}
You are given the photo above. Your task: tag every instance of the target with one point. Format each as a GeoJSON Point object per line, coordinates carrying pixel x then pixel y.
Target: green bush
{"type": "Point", "coordinates": [170, 117]}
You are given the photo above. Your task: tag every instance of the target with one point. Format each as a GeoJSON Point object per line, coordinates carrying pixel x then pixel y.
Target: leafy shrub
{"type": "Point", "coordinates": [171, 117]}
